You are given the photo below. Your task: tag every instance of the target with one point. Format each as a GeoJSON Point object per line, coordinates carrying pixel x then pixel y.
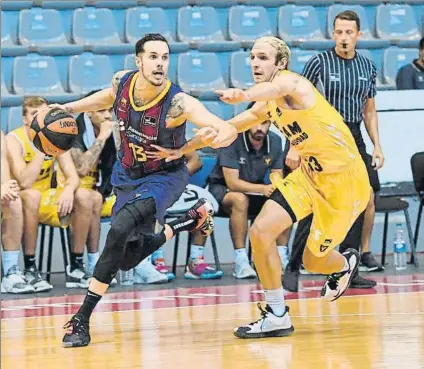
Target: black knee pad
{"type": "Point", "coordinates": [144, 211]}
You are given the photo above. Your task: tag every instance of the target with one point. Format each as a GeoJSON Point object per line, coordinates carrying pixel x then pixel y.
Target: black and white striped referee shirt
{"type": "Point", "coordinates": [345, 83]}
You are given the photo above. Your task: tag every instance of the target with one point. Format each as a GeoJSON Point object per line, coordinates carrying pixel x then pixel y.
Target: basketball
{"type": "Point", "coordinates": [53, 131]}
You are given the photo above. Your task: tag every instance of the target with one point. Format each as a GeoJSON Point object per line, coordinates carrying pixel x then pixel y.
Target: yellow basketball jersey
{"type": "Point", "coordinates": [44, 179]}
{"type": "Point", "coordinates": [88, 182]}
{"type": "Point", "coordinates": [319, 134]}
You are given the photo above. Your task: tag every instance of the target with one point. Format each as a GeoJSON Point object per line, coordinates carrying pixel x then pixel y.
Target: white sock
{"type": "Point", "coordinates": [196, 251]}
{"type": "Point", "coordinates": [92, 260]}
{"type": "Point", "coordinates": [275, 300]}
{"type": "Point", "coordinates": [10, 259]}
{"type": "Point", "coordinates": [241, 256]}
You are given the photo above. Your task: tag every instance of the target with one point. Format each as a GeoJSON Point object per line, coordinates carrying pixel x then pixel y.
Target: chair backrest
{"type": "Point", "coordinates": [200, 178]}
{"type": "Point", "coordinates": [6, 36]}
{"type": "Point", "coordinates": [197, 24]}
{"type": "Point", "coordinates": [36, 75]}
{"type": "Point", "coordinates": [88, 72]}
{"type": "Point", "coordinates": [417, 166]}
{"type": "Point", "coordinates": [396, 21]}
{"type": "Point", "coordinates": [39, 26]}
{"type": "Point", "coordinates": [335, 9]}
{"type": "Point", "coordinates": [199, 71]}
{"type": "Point", "coordinates": [394, 59]}
{"type": "Point", "coordinates": [92, 26]}
{"type": "Point", "coordinates": [298, 23]}
{"type": "Point", "coordinates": [240, 72]}
{"type": "Point", "coordinates": [142, 20]}
{"type": "Point", "coordinates": [14, 118]}
{"type": "Point", "coordinates": [247, 23]}
{"type": "Point", "coordinates": [299, 58]}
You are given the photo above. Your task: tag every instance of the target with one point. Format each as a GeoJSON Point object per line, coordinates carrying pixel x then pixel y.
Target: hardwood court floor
{"type": "Point", "coordinates": [184, 328]}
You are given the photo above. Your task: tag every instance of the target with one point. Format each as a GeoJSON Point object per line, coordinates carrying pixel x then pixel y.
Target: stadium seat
{"type": "Point", "coordinates": [8, 47]}
{"type": "Point", "coordinates": [114, 4]}
{"type": "Point", "coordinates": [129, 62]}
{"type": "Point", "coordinates": [199, 74]}
{"type": "Point", "coordinates": [214, 3]}
{"type": "Point", "coordinates": [96, 29]}
{"type": "Point", "coordinates": [397, 23]}
{"type": "Point", "coordinates": [4, 121]}
{"type": "Point", "coordinates": [16, 4]}
{"type": "Point", "coordinates": [393, 60]}
{"type": "Point", "coordinates": [247, 23]}
{"type": "Point", "coordinates": [299, 26]}
{"type": "Point", "coordinates": [14, 119]}
{"type": "Point", "coordinates": [299, 58]}
{"type": "Point", "coordinates": [36, 75]}
{"type": "Point", "coordinates": [41, 26]}
{"type": "Point", "coordinates": [199, 26]}
{"type": "Point", "coordinates": [167, 3]}
{"type": "Point", "coordinates": [88, 72]}
{"type": "Point", "coordinates": [142, 20]}
{"type": "Point", "coordinates": [62, 4]}
{"type": "Point", "coordinates": [240, 72]}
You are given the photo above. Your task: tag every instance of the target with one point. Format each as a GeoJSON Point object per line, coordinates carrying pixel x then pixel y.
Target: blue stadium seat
{"type": "Point", "coordinates": [8, 47]}
{"type": "Point", "coordinates": [247, 23]}
{"type": "Point", "coordinates": [117, 4]}
{"type": "Point", "coordinates": [129, 62]}
{"type": "Point", "coordinates": [240, 72]}
{"type": "Point", "coordinates": [142, 20]}
{"type": "Point", "coordinates": [299, 26]}
{"type": "Point", "coordinates": [199, 74]}
{"type": "Point", "coordinates": [4, 121]}
{"type": "Point", "coordinates": [7, 99]}
{"type": "Point", "coordinates": [41, 26]}
{"type": "Point", "coordinates": [36, 75]}
{"type": "Point", "coordinates": [14, 119]}
{"type": "Point", "coordinates": [393, 60]}
{"type": "Point", "coordinates": [397, 22]}
{"type": "Point", "coordinates": [214, 3]}
{"type": "Point", "coordinates": [266, 3]}
{"type": "Point", "coordinates": [62, 4]}
{"type": "Point", "coordinates": [89, 72]}
{"type": "Point", "coordinates": [167, 3]}
{"type": "Point", "coordinates": [16, 4]}
{"type": "Point", "coordinates": [97, 28]}
{"type": "Point", "coordinates": [199, 26]}
{"type": "Point", "coordinates": [299, 58]}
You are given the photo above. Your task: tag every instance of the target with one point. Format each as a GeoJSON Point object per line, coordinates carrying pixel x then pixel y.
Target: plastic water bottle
{"type": "Point", "coordinates": [126, 277]}
{"type": "Point", "coordinates": [399, 248]}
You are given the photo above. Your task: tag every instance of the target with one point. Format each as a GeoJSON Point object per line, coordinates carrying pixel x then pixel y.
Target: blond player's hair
{"type": "Point", "coordinates": [33, 102]}
{"type": "Point", "coordinates": [283, 51]}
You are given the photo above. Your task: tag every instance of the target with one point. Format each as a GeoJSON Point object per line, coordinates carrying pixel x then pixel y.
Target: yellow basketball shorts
{"type": "Point", "coordinates": [335, 200]}
{"type": "Point", "coordinates": [47, 214]}
{"type": "Point", "coordinates": [108, 206]}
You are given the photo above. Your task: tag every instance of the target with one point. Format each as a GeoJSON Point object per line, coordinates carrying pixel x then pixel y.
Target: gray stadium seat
{"type": "Point", "coordinates": [298, 25]}
{"type": "Point", "coordinates": [247, 23]}
{"type": "Point", "coordinates": [393, 60]}
{"type": "Point", "coordinates": [397, 22]}
{"type": "Point", "coordinates": [89, 72]}
{"type": "Point", "coordinates": [129, 64]}
{"type": "Point", "coordinates": [199, 74]}
{"type": "Point", "coordinates": [240, 72]}
{"type": "Point", "coordinates": [199, 26]}
{"type": "Point", "coordinates": [299, 58]}
{"type": "Point", "coordinates": [36, 75]}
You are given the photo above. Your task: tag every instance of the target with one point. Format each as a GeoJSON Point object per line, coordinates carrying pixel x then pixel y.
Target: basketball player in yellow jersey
{"type": "Point", "coordinates": [33, 171]}
{"type": "Point", "coordinates": [331, 182]}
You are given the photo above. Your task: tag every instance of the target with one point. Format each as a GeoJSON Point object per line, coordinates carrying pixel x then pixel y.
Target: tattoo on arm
{"type": "Point", "coordinates": [116, 80]}
{"type": "Point", "coordinates": [176, 107]}
{"type": "Point", "coordinates": [85, 161]}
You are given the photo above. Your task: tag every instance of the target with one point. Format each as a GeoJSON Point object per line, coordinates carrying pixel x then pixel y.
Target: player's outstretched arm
{"type": "Point", "coordinates": [250, 118]}
{"type": "Point", "coordinates": [282, 85]}
{"type": "Point", "coordinates": [101, 100]}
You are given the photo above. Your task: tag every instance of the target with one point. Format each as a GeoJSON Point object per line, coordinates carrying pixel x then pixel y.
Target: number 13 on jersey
{"type": "Point", "coordinates": [138, 152]}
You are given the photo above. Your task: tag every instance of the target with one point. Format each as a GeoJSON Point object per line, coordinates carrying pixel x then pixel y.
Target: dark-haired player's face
{"type": "Point", "coordinates": [346, 35]}
{"type": "Point", "coordinates": [98, 117]}
{"type": "Point", "coordinates": [30, 113]}
{"type": "Point", "coordinates": [153, 63]}
{"type": "Point", "coordinates": [259, 132]}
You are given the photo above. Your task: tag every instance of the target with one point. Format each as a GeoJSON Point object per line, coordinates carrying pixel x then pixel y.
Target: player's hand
{"type": "Point", "coordinates": [65, 202]}
{"type": "Point", "coordinates": [223, 137]}
{"type": "Point", "coordinates": [232, 95]}
{"type": "Point", "coordinates": [9, 190]}
{"type": "Point", "coordinates": [106, 128]}
{"type": "Point", "coordinates": [268, 190]}
{"type": "Point", "coordinates": [377, 155]}
{"type": "Point", "coordinates": [164, 153]}
{"type": "Point", "coordinates": [64, 107]}
{"type": "Point", "coordinates": [293, 159]}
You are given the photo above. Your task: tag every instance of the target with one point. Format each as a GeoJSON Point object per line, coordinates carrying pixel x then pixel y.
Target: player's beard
{"type": "Point", "coordinates": [152, 82]}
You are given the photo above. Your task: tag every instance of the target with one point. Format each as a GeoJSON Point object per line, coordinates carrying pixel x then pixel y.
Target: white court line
{"type": "Point", "coordinates": [213, 305]}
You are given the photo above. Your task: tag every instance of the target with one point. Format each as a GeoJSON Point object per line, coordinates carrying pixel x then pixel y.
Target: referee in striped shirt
{"type": "Point", "coordinates": [347, 80]}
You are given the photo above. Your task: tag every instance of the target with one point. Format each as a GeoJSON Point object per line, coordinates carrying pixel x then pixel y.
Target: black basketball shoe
{"type": "Point", "coordinates": [77, 332]}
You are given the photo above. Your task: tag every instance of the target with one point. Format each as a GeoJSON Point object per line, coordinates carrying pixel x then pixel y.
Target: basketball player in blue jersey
{"type": "Point", "coordinates": [150, 111]}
